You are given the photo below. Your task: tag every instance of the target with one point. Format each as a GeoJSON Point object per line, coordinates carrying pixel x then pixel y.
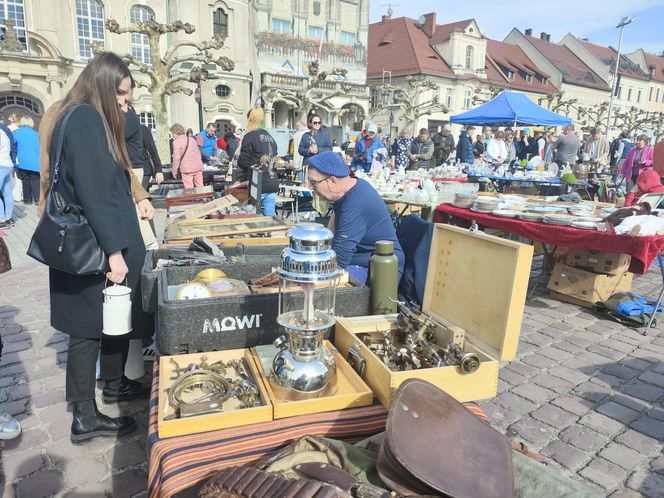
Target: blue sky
{"type": "Point", "coordinates": [593, 19]}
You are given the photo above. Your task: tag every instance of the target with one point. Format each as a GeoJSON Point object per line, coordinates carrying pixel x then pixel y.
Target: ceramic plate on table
{"type": "Point", "coordinates": [586, 225]}
{"type": "Point", "coordinates": [538, 208]}
{"type": "Point", "coordinates": [485, 211]}
{"type": "Point", "coordinates": [557, 219]}
{"type": "Point", "coordinates": [552, 169]}
{"type": "Point", "coordinates": [530, 216]}
{"type": "Point", "coordinates": [506, 213]}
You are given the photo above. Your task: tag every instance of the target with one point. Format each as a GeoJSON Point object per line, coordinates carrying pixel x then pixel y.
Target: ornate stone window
{"type": "Point", "coordinates": [469, 57]}
{"type": "Point", "coordinates": [13, 9]}
{"type": "Point", "coordinates": [90, 25]}
{"type": "Point", "coordinates": [140, 44]}
{"type": "Point", "coordinates": [220, 22]}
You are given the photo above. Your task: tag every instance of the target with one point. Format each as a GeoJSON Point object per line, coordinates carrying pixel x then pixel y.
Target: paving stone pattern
{"type": "Point", "coordinates": [584, 391]}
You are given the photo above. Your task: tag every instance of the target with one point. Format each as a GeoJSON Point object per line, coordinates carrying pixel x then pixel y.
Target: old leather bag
{"type": "Point", "coordinates": [434, 446]}
{"type": "Point", "coordinates": [63, 239]}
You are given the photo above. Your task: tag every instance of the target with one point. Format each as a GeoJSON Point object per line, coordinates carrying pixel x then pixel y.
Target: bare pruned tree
{"type": "Point", "coordinates": [163, 77]}
{"type": "Point", "coordinates": [409, 100]}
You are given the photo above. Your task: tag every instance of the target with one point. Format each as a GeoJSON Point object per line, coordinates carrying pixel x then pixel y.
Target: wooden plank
{"type": "Point", "coordinates": [204, 209]}
{"type": "Point", "coordinates": [225, 228]}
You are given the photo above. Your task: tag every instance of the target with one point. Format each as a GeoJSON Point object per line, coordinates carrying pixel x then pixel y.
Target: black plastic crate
{"type": "Point", "coordinates": [248, 255]}
{"type": "Point", "coordinates": [232, 322]}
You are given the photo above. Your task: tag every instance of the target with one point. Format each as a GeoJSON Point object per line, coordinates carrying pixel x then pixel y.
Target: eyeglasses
{"type": "Point", "coordinates": [315, 183]}
{"type": "Point", "coordinates": [315, 122]}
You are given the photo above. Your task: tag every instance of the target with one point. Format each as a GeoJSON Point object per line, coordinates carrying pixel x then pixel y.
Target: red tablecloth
{"type": "Point", "coordinates": [642, 249]}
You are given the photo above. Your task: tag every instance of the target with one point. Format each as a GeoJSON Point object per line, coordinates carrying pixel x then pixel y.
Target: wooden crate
{"type": "Point", "coordinates": [226, 231]}
{"type": "Point", "coordinates": [351, 390]}
{"type": "Point", "coordinates": [475, 291]}
{"type": "Point", "coordinates": [202, 210]}
{"type": "Point", "coordinates": [232, 416]}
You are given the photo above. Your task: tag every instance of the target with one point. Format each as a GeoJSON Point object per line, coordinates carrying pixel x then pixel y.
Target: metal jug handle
{"type": "Point", "coordinates": [106, 282]}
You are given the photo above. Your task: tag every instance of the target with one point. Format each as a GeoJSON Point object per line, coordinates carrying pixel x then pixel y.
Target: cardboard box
{"type": "Point", "coordinates": [476, 292]}
{"type": "Point", "coordinates": [231, 416]}
{"type": "Point", "coordinates": [587, 286]}
{"type": "Point", "coordinates": [610, 263]}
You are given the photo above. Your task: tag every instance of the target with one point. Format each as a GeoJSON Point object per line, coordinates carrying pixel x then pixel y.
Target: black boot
{"type": "Point", "coordinates": [124, 389]}
{"type": "Point", "coordinates": [89, 423]}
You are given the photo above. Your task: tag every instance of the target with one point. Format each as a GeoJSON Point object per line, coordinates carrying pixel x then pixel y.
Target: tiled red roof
{"type": "Point", "coordinates": [400, 46]}
{"type": "Point", "coordinates": [501, 55]}
{"type": "Point", "coordinates": [608, 56]}
{"type": "Point", "coordinates": [658, 63]}
{"type": "Point", "coordinates": [574, 70]}
{"type": "Point", "coordinates": [444, 31]}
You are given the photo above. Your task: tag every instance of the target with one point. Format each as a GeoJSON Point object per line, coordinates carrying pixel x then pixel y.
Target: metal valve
{"type": "Point", "coordinates": [280, 342]}
{"type": "Point", "coordinates": [469, 362]}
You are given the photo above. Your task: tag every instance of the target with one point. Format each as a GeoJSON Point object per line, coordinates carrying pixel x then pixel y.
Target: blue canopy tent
{"type": "Point", "coordinates": [510, 109]}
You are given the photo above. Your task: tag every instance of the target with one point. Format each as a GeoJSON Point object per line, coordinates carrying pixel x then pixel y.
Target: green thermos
{"type": "Point", "coordinates": [383, 275]}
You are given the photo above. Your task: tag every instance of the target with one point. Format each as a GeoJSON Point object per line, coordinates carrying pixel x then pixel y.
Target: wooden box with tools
{"type": "Point", "coordinates": [587, 286]}
{"type": "Point", "coordinates": [475, 293]}
{"type": "Point", "coordinates": [351, 391]}
{"type": "Point", "coordinates": [209, 391]}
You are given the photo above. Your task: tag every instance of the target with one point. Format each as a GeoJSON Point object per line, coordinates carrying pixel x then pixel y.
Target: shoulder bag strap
{"type": "Point", "coordinates": [183, 152]}
{"type": "Point", "coordinates": [55, 176]}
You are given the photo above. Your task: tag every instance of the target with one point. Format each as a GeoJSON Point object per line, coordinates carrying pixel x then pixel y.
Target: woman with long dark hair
{"type": "Point", "coordinates": [94, 173]}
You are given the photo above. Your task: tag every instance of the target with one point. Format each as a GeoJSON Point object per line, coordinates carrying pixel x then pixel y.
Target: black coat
{"type": "Point", "coordinates": [90, 178]}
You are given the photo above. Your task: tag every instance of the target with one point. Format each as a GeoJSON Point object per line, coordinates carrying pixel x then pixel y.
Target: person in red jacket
{"type": "Point", "coordinates": [648, 182]}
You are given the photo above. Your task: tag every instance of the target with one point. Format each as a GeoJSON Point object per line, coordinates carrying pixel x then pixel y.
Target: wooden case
{"type": "Point", "coordinates": [230, 232]}
{"type": "Point", "coordinates": [232, 416]}
{"type": "Point", "coordinates": [476, 291]}
{"type": "Point", "coordinates": [351, 391]}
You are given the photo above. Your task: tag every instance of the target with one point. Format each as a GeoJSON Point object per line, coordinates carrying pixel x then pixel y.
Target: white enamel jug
{"type": "Point", "coordinates": [116, 310]}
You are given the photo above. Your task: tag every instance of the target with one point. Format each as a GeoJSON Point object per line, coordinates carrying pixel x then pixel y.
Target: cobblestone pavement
{"type": "Point", "coordinates": [586, 392]}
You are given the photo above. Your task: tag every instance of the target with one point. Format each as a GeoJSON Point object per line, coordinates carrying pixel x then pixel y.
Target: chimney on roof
{"type": "Point", "coordinates": [429, 26]}
{"type": "Point", "coordinates": [529, 32]}
{"type": "Point", "coordinates": [543, 36]}
{"type": "Point", "coordinates": [548, 37]}
{"type": "Point", "coordinates": [385, 17]}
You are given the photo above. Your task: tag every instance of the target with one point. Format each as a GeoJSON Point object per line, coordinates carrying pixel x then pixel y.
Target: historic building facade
{"type": "Point", "coordinates": [55, 41]}
{"type": "Point", "coordinates": [294, 33]}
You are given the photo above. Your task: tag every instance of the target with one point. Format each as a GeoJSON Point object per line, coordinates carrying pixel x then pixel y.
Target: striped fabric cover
{"type": "Point", "coordinates": [177, 463]}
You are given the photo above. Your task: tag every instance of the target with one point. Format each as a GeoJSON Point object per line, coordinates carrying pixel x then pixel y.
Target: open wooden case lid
{"type": "Point", "coordinates": [479, 282]}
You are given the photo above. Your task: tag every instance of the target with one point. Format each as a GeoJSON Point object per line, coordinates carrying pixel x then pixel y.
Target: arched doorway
{"type": "Point", "coordinates": [352, 117]}
{"type": "Point", "coordinates": [21, 105]}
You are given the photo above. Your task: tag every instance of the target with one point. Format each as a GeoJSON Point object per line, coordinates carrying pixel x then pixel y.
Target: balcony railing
{"type": "Point", "coordinates": [300, 83]}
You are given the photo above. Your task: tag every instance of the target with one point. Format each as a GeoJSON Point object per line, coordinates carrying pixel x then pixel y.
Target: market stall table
{"type": "Point", "coordinates": [643, 250]}
{"type": "Point", "coordinates": [547, 183]}
{"type": "Point", "coordinates": [177, 463]}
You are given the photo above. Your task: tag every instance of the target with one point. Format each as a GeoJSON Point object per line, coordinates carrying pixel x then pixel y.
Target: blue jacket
{"type": "Point", "coordinates": [363, 157]}
{"type": "Point", "coordinates": [464, 149]}
{"type": "Point", "coordinates": [361, 219]}
{"type": "Point", "coordinates": [321, 139]}
{"type": "Point", "coordinates": [12, 143]}
{"type": "Point", "coordinates": [209, 144]}
{"type": "Point", "coordinates": [27, 148]}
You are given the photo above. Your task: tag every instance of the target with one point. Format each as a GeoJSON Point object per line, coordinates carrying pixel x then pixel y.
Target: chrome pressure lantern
{"type": "Point", "coordinates": [304, 368]}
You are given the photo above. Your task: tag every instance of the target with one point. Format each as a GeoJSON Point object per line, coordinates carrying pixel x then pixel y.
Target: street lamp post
{"type": "Point", "coordinates": [624, 22]}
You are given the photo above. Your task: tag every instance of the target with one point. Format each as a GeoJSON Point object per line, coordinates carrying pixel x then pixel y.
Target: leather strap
{"type": "Point", "coordinates": [522, 448]}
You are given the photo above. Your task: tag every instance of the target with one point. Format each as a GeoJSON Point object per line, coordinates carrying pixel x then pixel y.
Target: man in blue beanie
{"type": "Point", "coordinates": [360, 217]}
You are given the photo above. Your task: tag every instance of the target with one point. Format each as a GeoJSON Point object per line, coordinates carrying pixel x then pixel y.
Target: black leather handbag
{"type": "Point", "coordinates": [63, 239]}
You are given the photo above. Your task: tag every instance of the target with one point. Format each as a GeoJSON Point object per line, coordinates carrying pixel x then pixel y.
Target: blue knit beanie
{"type": "Point", "coordinates": [329, 163]}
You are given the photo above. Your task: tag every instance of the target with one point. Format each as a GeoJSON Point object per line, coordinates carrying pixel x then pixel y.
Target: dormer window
{"type": "Point", "coordinates": [510, 75]}
{"type": "Point", "coordinates": [529, 78]}
{"type": "Point", "coordinates": [469, 57]}
{"type": "Point", "coordinates": [544, 80]}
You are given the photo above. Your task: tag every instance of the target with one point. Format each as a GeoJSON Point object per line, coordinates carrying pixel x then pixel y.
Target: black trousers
{"type": "Point", "coordinates": [82, 360]}
{"type": "Point", "coordinates": [30, 181]}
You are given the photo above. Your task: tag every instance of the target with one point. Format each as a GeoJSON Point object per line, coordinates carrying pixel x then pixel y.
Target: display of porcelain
{"type": "Point", "coordinates": [526, 216]}
{"type": "Point", "coordinates": [557, 219]}
{"type": "Point", "coordinates": [586, 225]}
{"type": "Point", "coordinates": [541, 208]}
{"type": "Point", "coordinates": [506, 213]}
